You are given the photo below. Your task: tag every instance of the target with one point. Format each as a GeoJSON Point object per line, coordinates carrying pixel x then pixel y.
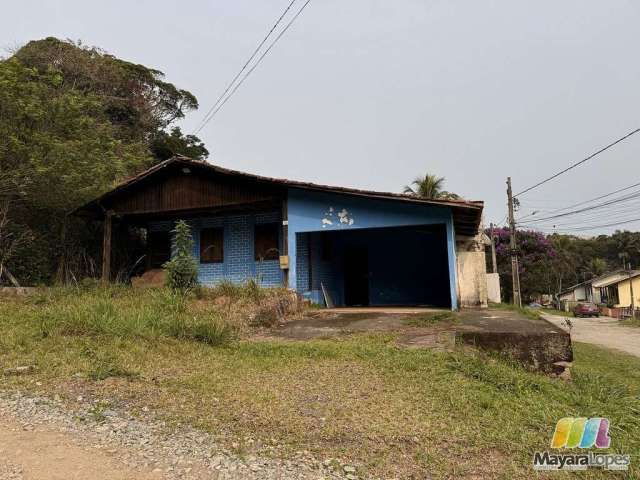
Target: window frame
{"type": "Point", "coordinates": [218, 259]}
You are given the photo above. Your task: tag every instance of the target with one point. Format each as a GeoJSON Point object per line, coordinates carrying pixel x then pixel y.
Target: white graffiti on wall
{"type": "Point", "coordinates": [343, 218]}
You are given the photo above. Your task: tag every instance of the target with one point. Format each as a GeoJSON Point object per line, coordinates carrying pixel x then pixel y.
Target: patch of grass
{"type": "Point", "coordinates": [107, 366]}
{"type": "Point", "coordinates": [524, 311]}
{"type": "Point", "coordinates": [250, 290]}
{"type": "Point", "coordinates": [431, 319]}
{"type": "Point", "coordinates": [213, 332]}
{"type": "Point", "coordinates": [123, 313]}
{"type": "Point", "coordinates": [392, 412]}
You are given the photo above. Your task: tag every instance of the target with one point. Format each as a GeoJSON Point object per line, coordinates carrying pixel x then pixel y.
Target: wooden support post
{"type": "Point", "coordinates": [106, 247]}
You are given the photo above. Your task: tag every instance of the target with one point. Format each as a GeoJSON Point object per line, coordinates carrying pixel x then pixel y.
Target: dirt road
{"type": "Point", "coordinates": [45, 439]}
{"type": "Point", "coordinates": [40, 453]}
{"type": "Point", "coordinates": [603, 331]}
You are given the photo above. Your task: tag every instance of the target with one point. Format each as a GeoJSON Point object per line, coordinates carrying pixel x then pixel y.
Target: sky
{"type": "Point", "coordinates": [372, 93]}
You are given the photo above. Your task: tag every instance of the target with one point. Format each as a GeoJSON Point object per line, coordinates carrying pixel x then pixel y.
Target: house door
{"type": "Point", "coordinates": [356, 276]}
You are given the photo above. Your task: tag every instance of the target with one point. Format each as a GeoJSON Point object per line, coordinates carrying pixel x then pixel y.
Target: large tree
{"type": "Point", "coordinates": [73, 122]}
{"type": "Point", "coordinates": [536, 253]}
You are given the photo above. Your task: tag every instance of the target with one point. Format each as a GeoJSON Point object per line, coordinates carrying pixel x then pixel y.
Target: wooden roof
{"type": "Point", "coordinates": [467, 214]}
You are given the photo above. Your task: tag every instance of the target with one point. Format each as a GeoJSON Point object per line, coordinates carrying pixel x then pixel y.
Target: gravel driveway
{"type": "Point", "coordinates": [603, 331]}
{"type": "Point", "coordinates": [43, 439]}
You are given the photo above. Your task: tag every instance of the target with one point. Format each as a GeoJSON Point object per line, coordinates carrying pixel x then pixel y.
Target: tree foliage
{"type": "Point", "coordinates": [551, 263]}
{"type": "Point", "coordinates": [166, 145]}
{"type": "Point", "coordinates": [135, 98]}
{"type": "Point", "coordinates": [74, 121]}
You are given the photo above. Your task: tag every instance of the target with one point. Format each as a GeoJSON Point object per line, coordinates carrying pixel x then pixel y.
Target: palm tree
{"type": "Point", "coordinates": [429, 186]}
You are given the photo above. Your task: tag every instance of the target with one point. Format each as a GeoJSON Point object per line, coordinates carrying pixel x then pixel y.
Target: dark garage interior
{"type": "Point", "coordinates": [392, 266]}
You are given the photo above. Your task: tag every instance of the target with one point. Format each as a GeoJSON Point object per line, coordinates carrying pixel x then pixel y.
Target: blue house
{"type": "Point", "coordinates": [336, 246]}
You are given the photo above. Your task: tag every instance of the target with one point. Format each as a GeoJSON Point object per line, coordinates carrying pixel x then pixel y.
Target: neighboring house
{"type": "Point", "coordinates": [582, 292]}
{"type": "Point", "coordinates": [609, 289]}
{"type": "Point", "coordinates": [615, 288]}
{"type": "Point", "coordinates": [351, 247]}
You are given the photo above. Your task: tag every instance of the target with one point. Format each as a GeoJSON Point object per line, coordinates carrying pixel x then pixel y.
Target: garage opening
{"type": "Point", "coordinates": [393, 266]}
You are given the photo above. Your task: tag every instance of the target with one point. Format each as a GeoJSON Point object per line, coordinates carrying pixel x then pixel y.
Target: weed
{"type": "Point", "coordinates": [105, 365]}
{"type": "Point", "coordinates": [430, 319]}
{"type": "Point", "coordinates": [97, 411]}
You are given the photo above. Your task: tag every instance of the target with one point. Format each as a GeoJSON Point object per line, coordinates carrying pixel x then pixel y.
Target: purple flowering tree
{"type": "Point", "coordinates": [537, 263]}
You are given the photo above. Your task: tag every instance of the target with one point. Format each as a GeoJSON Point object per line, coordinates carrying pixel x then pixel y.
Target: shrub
{"type": "Point", "coordinates": [182, 269]}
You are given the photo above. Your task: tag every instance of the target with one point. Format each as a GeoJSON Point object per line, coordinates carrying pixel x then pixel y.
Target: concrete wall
{"type": "Point", "coordinates": [471, 271]}
{"type": "Point", "coordinates": [311, 211]}
{"type": "Point", "coordinates": [239, 264]}
{"type": "Point", "coordinates": [493, 288]}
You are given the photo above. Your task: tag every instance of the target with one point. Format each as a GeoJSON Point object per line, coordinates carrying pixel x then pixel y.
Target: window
{"type": "Point", "coordinates": [211, 245]}
{"type": "Point", "coordinates": [266, 242]}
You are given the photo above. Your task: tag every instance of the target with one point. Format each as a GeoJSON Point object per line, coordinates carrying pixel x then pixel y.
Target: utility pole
{"type": "Point", "coordinates": [493, 250]}
{"type": "Point", "coordinates": [517, 300]}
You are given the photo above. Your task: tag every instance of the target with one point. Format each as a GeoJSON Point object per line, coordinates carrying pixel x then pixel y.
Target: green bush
{"type": "Point", "coordinates": [182, 269]}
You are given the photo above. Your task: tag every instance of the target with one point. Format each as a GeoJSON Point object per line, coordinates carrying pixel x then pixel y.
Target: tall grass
{"type": "Point", "coordinates": [123, 312]}
{"type": "Point", "coordinates": [249, 290]}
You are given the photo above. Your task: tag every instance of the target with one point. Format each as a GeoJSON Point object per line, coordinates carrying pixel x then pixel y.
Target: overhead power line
{"type": "Point", "coordinates": [605, 225]}
{"type": "Point", "coordinates": [217, 108]}
{"type": "Point", "coordinates": [244, 67]}
{"type": "Point", "coordinates": [596, 198]}
{"type": "Point", "coordinates": [570, 167]}
{"type": "Point", "coordinates": [614, 201]}
{"type": "Point", "coordinates": [593, 219]}
{"type": "Point", "coordinates": [610, 206]}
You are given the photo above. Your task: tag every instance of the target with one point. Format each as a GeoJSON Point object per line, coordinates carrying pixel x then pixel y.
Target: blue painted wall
{"type": "Point", "coordinates": [311, 211]}
{"type": "Point", "coordinates": [239, 264]}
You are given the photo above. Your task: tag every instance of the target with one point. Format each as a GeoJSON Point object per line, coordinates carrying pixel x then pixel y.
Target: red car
{"type": "Point", "coordinates": [586, 310]}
